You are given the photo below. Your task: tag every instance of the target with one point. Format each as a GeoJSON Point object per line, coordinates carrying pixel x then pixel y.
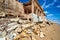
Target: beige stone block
{"type": "Point", "coordinates": [1, 1]}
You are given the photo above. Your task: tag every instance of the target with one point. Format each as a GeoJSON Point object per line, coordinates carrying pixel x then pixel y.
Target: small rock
{"type": "Point", "coordinates": [23, 21]}
{"type": "Point", "coordinates": [2, 38]}
{"type": "Point", "coordinates": [41, 34]}
{"type": "Point", "coordinates": [29, 31]}
{"type": "Point", "coordinates": [12, 26]}
{"type": "Point", "coordinates": [19, 29]}
{"type": "Point", "coordinates": [2, 33]}
{"type": "Point", "coordinates": [14, 19]}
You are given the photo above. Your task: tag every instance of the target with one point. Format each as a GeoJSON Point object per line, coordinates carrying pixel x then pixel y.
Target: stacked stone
{"type": "Point", "coordinates": [19, 29]}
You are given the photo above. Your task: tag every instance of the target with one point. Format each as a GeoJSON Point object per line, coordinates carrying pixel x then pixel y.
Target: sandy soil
{"type": "Point", "coordinates": [51, 32]}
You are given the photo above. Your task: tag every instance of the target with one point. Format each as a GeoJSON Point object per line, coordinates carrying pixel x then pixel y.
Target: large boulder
{"type": "Point", "coordinates": [1, 1]}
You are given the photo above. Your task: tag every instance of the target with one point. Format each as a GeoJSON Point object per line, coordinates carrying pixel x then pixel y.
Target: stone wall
{"type": "Point", "coordinates": [12, 5]}
{"type": "Point", "coordinates": [1, 1]}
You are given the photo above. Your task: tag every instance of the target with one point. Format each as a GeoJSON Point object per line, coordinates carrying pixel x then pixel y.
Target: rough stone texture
{"type": "Point", "coordinates": [21, 29]}
{"type": "Point", "coordinates": [13, 6]}
{"type": "Point", "coordinates": [28, 30]}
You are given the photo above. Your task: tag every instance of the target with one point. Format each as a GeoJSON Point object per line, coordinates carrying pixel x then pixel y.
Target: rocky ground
{"type": "Point", "coordinates": [20, 29]}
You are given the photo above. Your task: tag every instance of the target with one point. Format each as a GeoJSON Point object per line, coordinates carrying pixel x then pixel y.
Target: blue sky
{"type": "Point", "coordinates": [51, 9]}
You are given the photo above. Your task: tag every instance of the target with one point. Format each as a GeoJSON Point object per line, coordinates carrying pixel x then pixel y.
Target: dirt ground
{"type": "Point", "coordinates": [51, 32]}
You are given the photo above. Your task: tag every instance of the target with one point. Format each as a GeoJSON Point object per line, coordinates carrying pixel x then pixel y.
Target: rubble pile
{"type": "Point", "coordinates": [20, 29]}
{"type": "Point", "coordinates": [23, 27]}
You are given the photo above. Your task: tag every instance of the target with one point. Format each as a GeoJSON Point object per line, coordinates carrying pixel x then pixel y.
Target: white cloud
{"type": "Point", "coordinates": [44, 4]}
{"type": "Point", "coordinates": [50, 4]}
{"type": "Point", "coordinates": [46, 12]}
{"type": "Point", "coordinates": [56, 21]}
{"type": "Point", "coordinates": [49, 15]}
{"type": "Point", "coordinates": [58, 6]}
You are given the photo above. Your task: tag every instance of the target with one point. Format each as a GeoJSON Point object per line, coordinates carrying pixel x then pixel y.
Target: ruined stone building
{"type": "Point", "coordinates": [13, 7]}
{"type": "Point", "coordinates": [33, 7]}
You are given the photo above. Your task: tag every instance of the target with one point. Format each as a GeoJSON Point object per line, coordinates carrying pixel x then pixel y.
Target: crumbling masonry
{"type": "Point", "coordinates": [21, 21]}
{"type": "Point", "coordinates": [15, 8]}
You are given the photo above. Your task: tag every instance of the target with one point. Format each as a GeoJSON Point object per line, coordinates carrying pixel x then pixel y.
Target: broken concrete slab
{"type": "Point", "coordinates": [2, 38]}
{"type": "Point", "coordinates": [42, 35]}
{"type": "Point", "coordinates": [27, 25]}
{"type": "Point", "coordinates": [12, 26]}
{"type": "Point", "coordinates": [23, 21]}
{"type": "Point", "coordinates": [14, 19]}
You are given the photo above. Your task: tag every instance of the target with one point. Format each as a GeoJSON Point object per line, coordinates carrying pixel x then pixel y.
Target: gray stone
{"type": "Point", "coordinates": [12, 26]}
{"type": "Point", "coordinates": [2, 38]}
{"type": "Point", "coordinates": [23, 21]}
